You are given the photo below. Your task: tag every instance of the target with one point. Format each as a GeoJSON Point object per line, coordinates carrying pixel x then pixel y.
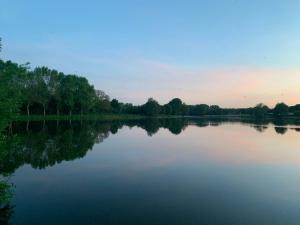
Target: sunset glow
{"type": "Point", "coordinates": [199, 51]}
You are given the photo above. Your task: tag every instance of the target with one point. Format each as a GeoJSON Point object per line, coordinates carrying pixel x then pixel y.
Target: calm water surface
{"type": "Point", "coordinates": [152, 172]}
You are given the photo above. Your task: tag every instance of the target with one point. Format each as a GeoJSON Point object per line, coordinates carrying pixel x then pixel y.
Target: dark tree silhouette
{"type": "Point", "coordinates": [281, 109]}
{"type": "Point", "coordinates": [151, 107]}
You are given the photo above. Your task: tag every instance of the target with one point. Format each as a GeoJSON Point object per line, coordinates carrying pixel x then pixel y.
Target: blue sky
{"type": "Point", "coordinates": [230, 52]}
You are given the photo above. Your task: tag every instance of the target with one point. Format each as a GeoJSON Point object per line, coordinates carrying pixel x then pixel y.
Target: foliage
{"type": "Point", "coordinates": [116, 106]}
{"type": "Point", "coordinates": [6, 192]}
{"type": "Point", "coordinates": [102, 102]}
{"type": "Point", "coordinates": [44, 91]}
{"type": "Point", "coordinates": [176, 106]}
{"type": "Point", "coordinates": [151, 107]}
{"type": "Point", "coordinates": [199, 110]}
{"type": "Point", "coordinates": [260, 110]}
{"type": "Point", "coordinates": [215, 110]}
{"type": "Point", "coordinates": [281, 109]}
{"type": "Point", "coordinates": [11, 76]}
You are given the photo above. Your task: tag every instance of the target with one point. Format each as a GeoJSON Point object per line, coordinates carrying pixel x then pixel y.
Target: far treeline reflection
{"type": "Point", "coordinates": [46, 143]}
{"type": "Point", "coordinates": [42, 144]}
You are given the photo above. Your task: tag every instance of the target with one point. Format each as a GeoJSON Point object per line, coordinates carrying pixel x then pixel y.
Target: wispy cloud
{"type": "Point", "coordinates": [131, 76]}
{"type": "Point", "coordinates": [228, 86]}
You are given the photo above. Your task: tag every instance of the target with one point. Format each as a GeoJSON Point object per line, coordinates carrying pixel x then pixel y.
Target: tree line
{"type": "Point", "coordinates": [177, 107]}
{"type": "Point", "coordinates": [47, 91]}
{"type": "Point", "coordinates": [43, 91]}
{"type": "Point", "coordinates": [46, 144]}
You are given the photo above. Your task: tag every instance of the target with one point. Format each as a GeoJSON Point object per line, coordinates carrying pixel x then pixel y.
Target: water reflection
{"type": "Point", "coordinates": [6, 194]}
{"type": "Point", "coordinates": [43, 144]}
{"type": "Point", "coordinates": [6, 211]}
{"type": "Point", "coordinates": [260, 128]}
{"type": "Point", "coordinates": [280, 130]}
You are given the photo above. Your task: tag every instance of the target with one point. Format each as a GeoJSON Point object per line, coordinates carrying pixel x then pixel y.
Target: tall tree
{"type": "Point", "coordinates": [42, 77]}
{"type": "Point", "coordinates": [102, 102]}
{"type": "Point", "coordinates": [199, 110]}
{"type": "Point", "coordinates": [55, 89]}
{"type": "Point", "coordinates": [281, 109]}
{"type": "Point", "coordinates": [115, 105]}
{"type": "Point", "coordinates": [176, 106]}
{"type": "Point", "coordinates": [260, 110]}
{"type": "Point", "coordinates": [151, 107]}
{"type": "Point", "coordinates": [215, 110]}
{"type": "Point", "coordinates": [11, 75]}
{"type": "Point", "coordinates": [68, 91]}
{"type": "Point", "coordinates": [84, 94]}
{"type": "Point", "coordinates": [28, 91]}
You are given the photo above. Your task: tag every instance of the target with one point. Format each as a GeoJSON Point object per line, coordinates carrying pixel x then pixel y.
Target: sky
{"type": "Point", "coordinates": [234, 53]}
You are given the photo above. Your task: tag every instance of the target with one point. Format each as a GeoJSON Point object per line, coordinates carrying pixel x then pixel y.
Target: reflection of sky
{"type": "Point", "coordinates": [211, 175]}
{"type": "Point", "coordinates": [232, 53]}
{"type": "Point", "coordinates": [225, 144]}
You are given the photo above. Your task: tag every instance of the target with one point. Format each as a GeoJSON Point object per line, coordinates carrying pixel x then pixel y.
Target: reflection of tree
{"type": "Point", "coordinates": [42, 146]}
{"type": "Point", "coordinates": [215, 123]}
{"type": "Point", "coordinates": [114, 128]}
{"type": "Point", "coordinates": [202, 123]}
{"type": "Point", "coordinates": [6, 212]}
{"type": "Point", "coordinates": [174, 125]}
{"type": "Point", "coordinates": [6, 194]}
{"type": "Point", "coordinates": [6, 191]}
{"type": "Point", "coordinates": [280, 130]}
{"type": "Point", "coordinates": [260, 128]}
{"type": "Point", "coordinates": [6, 188]}
{"type": "Point", "coordinates": [151, 125]}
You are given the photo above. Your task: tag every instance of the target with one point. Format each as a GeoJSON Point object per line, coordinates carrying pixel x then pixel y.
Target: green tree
{"type": "Point", "coordinates": [215, 110]}
{"type": "Point", "coordinates": [55, 89]}
{"type": "Point", "coordinates": [84, 94]}
{"type": "Point", "coordinates": [176, 106]}
{"type": "Point", "coordinates": [115, 105]}
{"type": "Point", "coordinates": [281, 109]}
{"type": "Point", "coordinates": [11, 75]}
{"type": "Point", "coordinates": [295, 110]}
{"type": "Point", "coordinates": [102, 102]}
{"type": "Point", "coordinates": [260, 110]}
{"type": "Point", "coordinates": [167, 109]}
{"type": "Point", "coordinates": [42, 76]}
{"type": "Point", "coordinates": [151, 107]}
{"type": "Point", "coordinates": [29, 91]}
{"type": "Point", "coordinates": [199, 110]}
{"type": "Point", "coordinates": [68, 92]}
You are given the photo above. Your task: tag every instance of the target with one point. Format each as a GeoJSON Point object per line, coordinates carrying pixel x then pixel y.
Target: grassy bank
{"type": "Point", "coordinates": [104, 117]}
{"type": "Point", "coordinates": [110, 117]}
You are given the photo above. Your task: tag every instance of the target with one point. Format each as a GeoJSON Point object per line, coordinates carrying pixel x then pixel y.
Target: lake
{"type": "Point", "coordinates": [187, 171]}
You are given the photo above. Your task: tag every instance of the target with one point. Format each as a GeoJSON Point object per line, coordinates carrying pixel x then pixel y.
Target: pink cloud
{"type": "Point", "coordinates": [233, 86]}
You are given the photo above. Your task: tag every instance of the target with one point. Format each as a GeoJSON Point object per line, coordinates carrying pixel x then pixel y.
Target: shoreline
{"type": "Point", "coordinates": [110, 117]}
{"type": "Point", "coordinates": [100, 117]}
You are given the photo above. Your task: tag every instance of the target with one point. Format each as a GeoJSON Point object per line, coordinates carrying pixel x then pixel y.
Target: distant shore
{"type": "Point", "coordinates": [109, 117]}
{"type": "Point", "coordinates": [103, 117]}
